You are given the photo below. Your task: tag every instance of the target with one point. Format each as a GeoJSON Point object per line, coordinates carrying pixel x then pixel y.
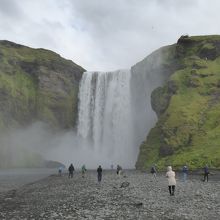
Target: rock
{"type": "Point", "coordinates": [138, 205]}
{"type": "Point", "coordinates": [124, 184]}
{"type": "Point", "coordinates": [54, 214]}
{"type": "Point", "coordinates": [42, 214]}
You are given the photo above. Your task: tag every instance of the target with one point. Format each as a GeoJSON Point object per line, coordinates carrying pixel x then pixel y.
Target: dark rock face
{"type": "Point", "coordinates": [160, 97]}
{"type": "Point", "coordinates": [53, 164]}
{"type": "Point", "coordinates": [165, 150]}
{"type": "Point", "coordinates": [37, 84]}
{"type": "Point", "coordinates": [159, 100]}
{"type": "Point", "coordinates": [208, 53]}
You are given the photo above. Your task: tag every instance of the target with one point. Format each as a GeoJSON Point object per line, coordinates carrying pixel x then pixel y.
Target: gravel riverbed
{"type": "Point", "coordinates": [83, 198]}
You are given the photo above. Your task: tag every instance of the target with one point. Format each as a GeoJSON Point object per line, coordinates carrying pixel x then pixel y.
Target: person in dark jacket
{"type": "Point", "coordinates": [99, 171]}
{"type": "Point", "coordinates": [206, 173]}
{"type": "Point", "coordinates": [71, 169]}
{"type": "Point", "coordinates": [119, 170]}
{"type": "Point", "coordinates": [154, 171]}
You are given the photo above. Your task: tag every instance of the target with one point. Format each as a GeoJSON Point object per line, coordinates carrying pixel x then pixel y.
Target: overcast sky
{"type": "Point", "coordinates": [105, 34]}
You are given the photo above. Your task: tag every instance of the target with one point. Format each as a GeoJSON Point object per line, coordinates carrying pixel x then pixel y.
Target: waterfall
{"type": "Point", "coordinates": [115, 113]}
{"type": "Point", "coordinates": [105, 118]}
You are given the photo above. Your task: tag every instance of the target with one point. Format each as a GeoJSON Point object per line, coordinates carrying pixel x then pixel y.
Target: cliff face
{"type": "Point", "coordinates": [37, 84]}
{"type": "Point", "coordinates": [147, 75]}
{"type": "Point", "coordinates": [188, 108]}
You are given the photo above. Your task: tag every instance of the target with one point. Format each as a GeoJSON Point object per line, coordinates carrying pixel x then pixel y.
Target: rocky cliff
{"type": "Point", "coordinates": [147, 75]}
{"type": "Point", "coordinates": [37, 85]}
{"type": "Point", "coordinates": [187, 106]}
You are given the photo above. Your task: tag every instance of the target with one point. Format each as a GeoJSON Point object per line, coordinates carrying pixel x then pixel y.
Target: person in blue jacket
{"type": "Point", "coordinates": [185, 173]}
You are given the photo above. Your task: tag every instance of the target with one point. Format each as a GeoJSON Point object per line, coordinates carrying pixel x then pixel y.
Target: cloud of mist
{"type": "Point", "coordinates": [22, 147]}
{"type": "Point", "coordinates": [105, 35]}
{"type": "Point", "coordinates": [25, 147]}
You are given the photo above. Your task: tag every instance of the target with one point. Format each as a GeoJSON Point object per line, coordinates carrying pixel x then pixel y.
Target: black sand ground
{"type": "Point", "coordinates": [62, 198]}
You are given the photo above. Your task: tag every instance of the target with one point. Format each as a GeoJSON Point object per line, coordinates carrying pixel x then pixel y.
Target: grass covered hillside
{"type": "Point", "coordinates": [188, 108]}
{"type": "Point", "coordinates": [36, 84]}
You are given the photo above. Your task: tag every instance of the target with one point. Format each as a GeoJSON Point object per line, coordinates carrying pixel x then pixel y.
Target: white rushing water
{"type": "Point", "coordinates": [104, 117]}
{"type": "Point", "coordinates": [115, 113]}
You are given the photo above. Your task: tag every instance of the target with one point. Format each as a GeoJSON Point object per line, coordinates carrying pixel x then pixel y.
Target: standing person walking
{"type": "Point", "coordinates": [185, 173]}
{"type": "Point", "coordinates": [60, 170]}
{"type": "Point", "coordinates": [206, 173]}
{"type": "Point", "coordinates": [119, 170]}
{"type": "Point", "coordinates": [171, 180]}
{"type": "Point", "coordinates": [99, 171]}
{"type": "Point", "coordinates": [83, 170]}
{"type": "Point", "coordinates": [71, 169]}
{"type": "Point", "coordinates": [154, 172]}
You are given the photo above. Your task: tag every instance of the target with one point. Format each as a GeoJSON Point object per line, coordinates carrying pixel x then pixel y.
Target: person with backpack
{"type": "Point", "coordinates": [71, 169]}
{"type": "Point", "coordinates": [99, 171]}
{"type": "Point", "coordinates": [83, 170]}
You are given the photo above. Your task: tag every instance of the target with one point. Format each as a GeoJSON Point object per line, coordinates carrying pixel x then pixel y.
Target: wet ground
{"type": "Point", "coordinates": [15, 178]}
{"type": "Point", "coordinates": [83, 198]}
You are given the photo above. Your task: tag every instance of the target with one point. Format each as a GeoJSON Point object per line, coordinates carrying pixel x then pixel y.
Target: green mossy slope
{"type": "Point", "coordinates": [36, 84]}
{"type": "Point", "coordinates": [188, 109]}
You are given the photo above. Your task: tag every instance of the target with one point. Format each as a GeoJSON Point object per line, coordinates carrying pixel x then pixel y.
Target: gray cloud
{"type": "Point", "coordinates": [10, 9]}
{"type": "Point", "coordinates": [105, 35]}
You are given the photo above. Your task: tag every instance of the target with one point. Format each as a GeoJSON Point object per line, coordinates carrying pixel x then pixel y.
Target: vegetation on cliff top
{"type": "Point", "coordinates": [188, 109]}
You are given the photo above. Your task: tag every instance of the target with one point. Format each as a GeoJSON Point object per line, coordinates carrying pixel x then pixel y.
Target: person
{"type": "Point", "coordinates": [185, 173]}
{"type": "Point", "coordinates": [112, 167]}
{"type": "Point", "coordinates": [153, 171]}
{"type": "Point", "coordinates": [99, 171]}
{"type": "Point", "coordinates": [83, 170]}
{"type": "Point", "coordinates": [71, 169]}
{"type": "Point", "coordinates": [60, 171]}
{"type": "Point", "coordinates": [171, 180]}
{"type": "Point", "coordinates": [206, 173]}
{"type": "Point", "coordinates": [119, 170]}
